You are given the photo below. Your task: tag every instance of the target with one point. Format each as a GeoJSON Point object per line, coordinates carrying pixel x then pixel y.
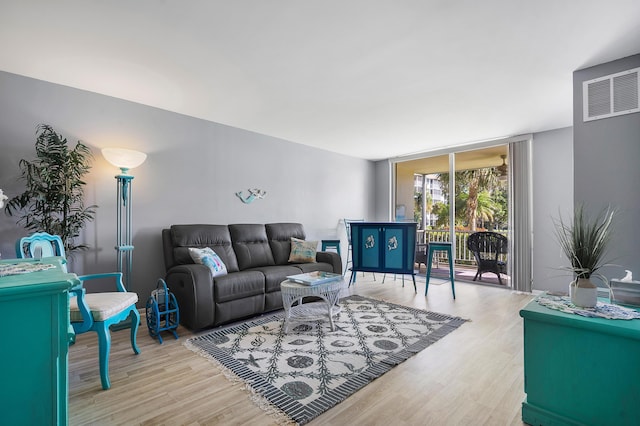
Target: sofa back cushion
{"type": "Point", "coordinates": [251, 245]}
{"type": "Point", "coordinates": [217, 237]}
{"type": "Point", "coordinates": [279, 235]}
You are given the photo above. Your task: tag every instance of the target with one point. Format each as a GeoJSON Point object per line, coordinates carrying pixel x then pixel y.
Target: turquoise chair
{"type": "Point", "coordinates": [40, 245]}
{"type": "Point", "coordinates": [90, 311]}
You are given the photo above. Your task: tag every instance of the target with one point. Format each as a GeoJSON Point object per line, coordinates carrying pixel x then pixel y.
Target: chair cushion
{"type": "Point", "coordinates": [103, 305]}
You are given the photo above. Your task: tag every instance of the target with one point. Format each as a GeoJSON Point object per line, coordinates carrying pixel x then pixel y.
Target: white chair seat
{"type": "Point", "coordinates": [103, 305]}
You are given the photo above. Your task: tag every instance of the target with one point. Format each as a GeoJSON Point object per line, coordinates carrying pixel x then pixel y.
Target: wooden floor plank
{"type": "Point", "coordinates": [473, 376]}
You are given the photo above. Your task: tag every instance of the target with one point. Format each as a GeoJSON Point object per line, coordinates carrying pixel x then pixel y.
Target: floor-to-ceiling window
{"type": "Point", "coordinates": [454, 195]}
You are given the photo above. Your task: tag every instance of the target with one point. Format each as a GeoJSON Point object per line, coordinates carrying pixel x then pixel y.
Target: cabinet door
{"type": "Point", "coordinates": [369, 245]}
{"type": "Point", "coordinates": [34, 364]}
{"type": "Point", "coordinates": [394, 251]}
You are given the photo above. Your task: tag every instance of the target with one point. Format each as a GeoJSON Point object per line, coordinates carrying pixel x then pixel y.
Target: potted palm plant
{"type": "Point", "coordinates": [53, 200]}
{"type": "Point", "coordinates": [585, 242]}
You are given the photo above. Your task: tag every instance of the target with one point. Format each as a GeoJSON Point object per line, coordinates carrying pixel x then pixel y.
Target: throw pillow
{"type": "Point", "coordinates": [303, 251]}
{"type": "Point", "coordinates": [209, 258]}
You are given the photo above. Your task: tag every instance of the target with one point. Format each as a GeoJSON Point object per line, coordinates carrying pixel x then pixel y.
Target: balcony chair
{"type": "Point", "coordinates": [92, 311]}
{"type": "Point", "coordinates": [487, 247]}
{"type": "Point", "coordinates": [421, 255]}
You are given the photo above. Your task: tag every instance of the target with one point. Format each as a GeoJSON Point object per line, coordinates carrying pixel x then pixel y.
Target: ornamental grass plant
{"type": "Point", "coordinates": [585, 242]}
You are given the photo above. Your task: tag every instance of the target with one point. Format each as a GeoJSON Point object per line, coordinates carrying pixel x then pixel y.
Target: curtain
{"type": "Point", "coordinates": [520, 215]}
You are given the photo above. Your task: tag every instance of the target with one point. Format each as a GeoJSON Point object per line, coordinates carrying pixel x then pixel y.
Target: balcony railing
{"type": "Point", "coordinates": [462, 256]}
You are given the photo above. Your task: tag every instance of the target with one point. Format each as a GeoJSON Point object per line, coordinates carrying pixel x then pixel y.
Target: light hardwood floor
{"type": "Point", "coordinates": [474, 376]}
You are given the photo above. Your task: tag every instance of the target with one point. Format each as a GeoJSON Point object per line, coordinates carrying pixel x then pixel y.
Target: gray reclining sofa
{"type": "Point", "coordinates": [256, 257]}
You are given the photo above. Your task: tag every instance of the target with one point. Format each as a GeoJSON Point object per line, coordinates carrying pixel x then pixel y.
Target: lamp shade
{"type": "Point", "coordinates": [123, 158]}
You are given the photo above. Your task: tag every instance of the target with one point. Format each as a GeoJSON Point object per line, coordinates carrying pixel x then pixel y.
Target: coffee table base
{"type": "Point", "coordinates": [312, 311]}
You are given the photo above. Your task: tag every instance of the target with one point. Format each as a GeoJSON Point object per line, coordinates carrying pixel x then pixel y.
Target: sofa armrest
{"type": "Point", "coordinates": [331, 258]}
{"type": "Point", "coordinates": [193, 287]}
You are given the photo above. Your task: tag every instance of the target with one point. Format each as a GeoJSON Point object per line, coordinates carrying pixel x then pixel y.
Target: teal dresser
{"type": "Point", "coordinates": [578, 370]}
{"type": "Point", "coordinates": [34, 341]}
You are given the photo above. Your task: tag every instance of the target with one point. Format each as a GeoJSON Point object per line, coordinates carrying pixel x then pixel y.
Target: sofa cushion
{"type": "Point", "coordinates": [312, 267]}
{"type": "Point", "coordinates": [275, 275]}
{"type": "Point", "coordinates": [302, 251]}
{"type": "Point", "coordinates": [217, 237]}
{"type": "Point", "coordinates": [237, 309]}
{"type": "Point", "coordinates": [279, 235]}
{"type": "Point", "coordinates": [209, 258]}
{"type": "Point", "coordinates": [251, 245]}
{"type": "Point", "coordinates": [238, 285]}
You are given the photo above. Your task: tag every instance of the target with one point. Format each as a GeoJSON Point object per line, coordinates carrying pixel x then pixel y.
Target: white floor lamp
{"type": "Point", "coordinates": [125, 159]}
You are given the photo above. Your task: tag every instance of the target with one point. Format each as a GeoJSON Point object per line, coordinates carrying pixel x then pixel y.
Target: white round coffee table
{"type": "Point", "coordinates": [329, 292]}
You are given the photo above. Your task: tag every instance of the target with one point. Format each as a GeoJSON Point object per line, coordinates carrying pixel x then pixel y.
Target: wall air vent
{"type": "Point", "coordinates": [611, 95]}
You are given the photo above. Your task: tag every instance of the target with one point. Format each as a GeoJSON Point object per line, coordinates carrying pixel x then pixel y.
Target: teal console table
{"type": "Point", "coordinates": [387, 247]}
{"type": "Point", "coordinates": [34, 341]}
{"type": "Point", "coordinates": [578, 370]}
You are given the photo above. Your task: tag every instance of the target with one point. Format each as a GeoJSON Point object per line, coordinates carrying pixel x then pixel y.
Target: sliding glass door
{"type": "Point", "coordinates": [454, 195]}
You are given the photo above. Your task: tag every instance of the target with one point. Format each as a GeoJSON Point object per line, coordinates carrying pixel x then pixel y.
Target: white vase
{"type": "Point", "coordinates": [583, 293]}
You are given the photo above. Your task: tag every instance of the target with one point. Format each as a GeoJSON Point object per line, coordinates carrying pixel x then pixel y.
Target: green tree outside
{"type": "Point", "coordinates": [481, 200]}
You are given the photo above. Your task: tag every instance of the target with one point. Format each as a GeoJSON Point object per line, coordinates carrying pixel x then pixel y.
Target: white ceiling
{"type": "Point", "coordinates": [370, 79]}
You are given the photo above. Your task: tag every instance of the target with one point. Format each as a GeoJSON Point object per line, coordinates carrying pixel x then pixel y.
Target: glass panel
{"type": "Point", "coordinates": [481, 205]}
{"type": "Point", "coordinates": [481, 189]}
{"type": "Point", "coordinates": [419, 193]}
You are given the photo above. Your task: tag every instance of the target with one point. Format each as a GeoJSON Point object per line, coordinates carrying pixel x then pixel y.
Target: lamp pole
{"type": "Point", "coordinates": [124, 243]}
{"type": "Point", "coordinates": [124, 159]}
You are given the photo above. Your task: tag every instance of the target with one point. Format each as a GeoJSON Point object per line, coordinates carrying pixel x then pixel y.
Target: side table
{"type": "Point", "coordinates": [331, 244]}
{"type": "Point", "coordinates": [329, 292]}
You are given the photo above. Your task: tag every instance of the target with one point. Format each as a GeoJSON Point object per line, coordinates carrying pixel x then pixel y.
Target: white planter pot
{"type": "Point", "coordinates": [583, 293]}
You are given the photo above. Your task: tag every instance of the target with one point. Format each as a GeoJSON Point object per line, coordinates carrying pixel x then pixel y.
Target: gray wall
{"type": "Point", "coordinates": [383, 191]}
{"type": "Point", "coordinates": [607, 168]}
{"type": "Point", "coordinates": [552, 195]}
{"type": "Point", "coordinates": [193, 170]}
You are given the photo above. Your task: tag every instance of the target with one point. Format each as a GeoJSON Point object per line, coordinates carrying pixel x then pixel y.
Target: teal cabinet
{"type": "Point", "coordinates": [386, 247]}
{"type": "Point", "coordinates": [578, 370]}
{"type": "Point", "coordinates": [34, 341]}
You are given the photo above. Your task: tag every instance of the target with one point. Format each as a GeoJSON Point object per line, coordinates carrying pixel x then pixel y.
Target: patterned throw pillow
{"type": "Point", "coordinates": [303, 251]}
{"type": "Point", "coordinates": [209, 258]}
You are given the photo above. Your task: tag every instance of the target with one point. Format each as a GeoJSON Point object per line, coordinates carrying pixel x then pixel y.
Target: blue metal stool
{"type": "Point", "coordinates": [439, 246]}
{"type": "Point", "coordinates": [331, 244]}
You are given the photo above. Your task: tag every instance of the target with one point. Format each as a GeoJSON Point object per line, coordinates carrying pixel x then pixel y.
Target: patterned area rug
{"type": "Point", "coordinates": [309, 370]}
